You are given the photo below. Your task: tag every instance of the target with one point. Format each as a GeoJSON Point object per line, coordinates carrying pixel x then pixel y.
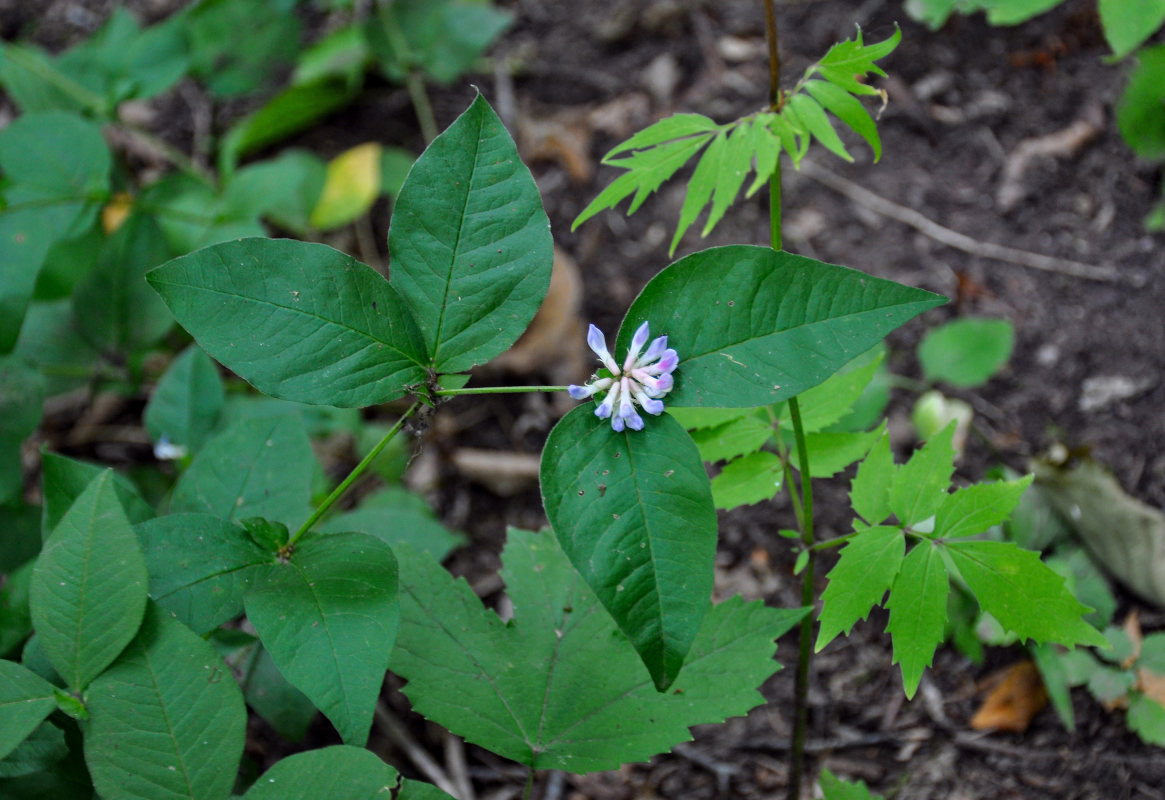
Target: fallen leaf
{"type": "Point", "coordinates": [1017, 695]}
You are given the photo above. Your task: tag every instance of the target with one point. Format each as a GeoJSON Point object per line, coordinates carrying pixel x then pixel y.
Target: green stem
{"type": "Point", "coordinates": [356, 472]}
{"type": "Point", "coordinates": [172, 154]}
{"type": "Point", "coordinates": [414, 77]}
{"type": "Point", "coordinates": [836, 541]}
{"type": "Point", "coordinates": [529, 783]}
{"type": "Point", "coordinates": [775, 205]}
{"type": "Point", "coordinates": [498, 390]}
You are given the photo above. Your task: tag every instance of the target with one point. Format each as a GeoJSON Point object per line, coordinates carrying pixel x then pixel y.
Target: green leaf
{"type": "Point", "coordinates": [1013, 12]}
{"type": "Point", "coordinates": [920, 485]}
{"type": "Point", "coordinates": [812, 117]}
{"type": "Point", "coordinates": [833, 788]}
{"type": "Point", "coordinates": [273, 38]}
{"type": "Point", "coordinates": [1128, 23]}
{"type": "Point", "coordinates": [340, 772]}
{"type": "Point", "coordinates": [932, 13]}
{"type": "Point", "coordinates": [43, 750]}
{"type": "Point", "coordinates": [851, 59]}
{"type": "Point", "coordinates": [766, 147]}
{"type": "Point", "coordinates": [529, 689]}
{"type": "Point", "coordinates": [865, 571]}
{"type": "Point", "coordinates": [633, 512]}
{"type": "Point", "coordinates": [772, 324]}
{"type": "Point", "coordinates": [1152, 655]}
{"type": "Point", "coordinates": [255, 468]}
{"type": "Point", "coordinates": [701, 185]}
{"type": "Point", "coordinates": [166, 720]}
{"type": "Point", "coordinates": [21, 401]}
{"type": "Point", "coordinates": [15, 618]}
{"type": "Point", "coordinates": [185, 404]}
{"type": "Point", "coordinates": [470, 243]}
{"type": "Point", "coordinates": [870, 489]}
{"type": "Point", "coordinates": [694, 419]}
{"type": "Point", "coordinates": [444, 38]}
{"type": "Point", "coordinates": [25, 700]}
{"type": "Point", "coordinates": [918, 612]}
{"type": "Point", "coordinates": [1140, 112]}
{"type": "Point", "coordinates": [34, 82]}
{"type": "Point", "coordinates": [677, 126]}
{"type": "Point", "coordinates": [88, 591]}
{"type": "Point", "coordinates": [415, 790]}
{"type": "Point", "coordinates": [64, 479]}
{"type": "Point", "coordinates": [283, 189]}
{"type": "Point", "coordinates": [200, 567]}
{"type": "Point", "coordinates": [749, 479]}
{"type": "Point", "coordinates": [197, 216]}
{"type": "Point", "coordinates": [743, 435]}
{"type": "Point", "coordinates": [849, 110]}
{"type": "Point", "coordinates": [297, 320]}
{"type": "Point", "coordinates": [830, 453]}
{"type": "Point", "coordinates": [396, 516]}
{"type": "Point", "coordinates": [1111, 685]}
{"type": "Point", "coordinates": [1013, 584]}
{"type": "Point", "coordinates": [828, 402]}
{"type": "Point", "coordinates": [350, 188]}
{"type": "Point", "coordinates": [329, 617]}
{"type": "Point", "coordinates": [287, 709]}
{"type": "Point", "coordinates": [974, 509]}
{"type": "Point", "coordinates": [966, 352]}
{"type": "Point", "coordinates": [1055, 678]}
{"type": "Point", "coordinates": [1147, 719]}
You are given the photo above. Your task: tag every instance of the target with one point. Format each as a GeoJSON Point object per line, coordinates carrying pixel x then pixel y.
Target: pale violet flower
{"type": "Point", "coordinates": [645, 377]}
{"type": "Point", "coordinates": [165, 450]}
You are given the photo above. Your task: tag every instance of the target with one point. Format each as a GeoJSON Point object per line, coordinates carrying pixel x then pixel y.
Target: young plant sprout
{"type": "Point", "coordinates": [644, 378]}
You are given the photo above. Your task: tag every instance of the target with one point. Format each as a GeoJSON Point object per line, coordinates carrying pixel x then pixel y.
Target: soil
{"type": "Point", "coordinates": [963, 103]}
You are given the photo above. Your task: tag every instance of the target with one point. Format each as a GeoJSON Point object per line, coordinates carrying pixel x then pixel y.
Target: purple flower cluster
{"type": "Point", "coordinates": [644, 378]}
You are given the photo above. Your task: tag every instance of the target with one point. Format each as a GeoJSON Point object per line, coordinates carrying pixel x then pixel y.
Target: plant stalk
{"type": "Point", "coordinates": [498, 390]}
{"type": "Point", "coordinates": [356, 472]}
{"type": "Point", "coordinates": [414, 78]}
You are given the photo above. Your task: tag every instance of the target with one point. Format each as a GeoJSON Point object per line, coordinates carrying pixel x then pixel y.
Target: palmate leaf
{"type": "Point", "coordinates": [865, 571]}
{"type": "Point", "coordinates": [918, 611]}
{"type": "Point", "coordinates": [848, 60]}
{"type": "Point", "coordinates": [749, 479]}
{"type": "Point", "coordinates": [556, 687]}
{"type": "Point", "coordinates": [633, 513]}
{"type": "Point", "coordinates": [920, 485]}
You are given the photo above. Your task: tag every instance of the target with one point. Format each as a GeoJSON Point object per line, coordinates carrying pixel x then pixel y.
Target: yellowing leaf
{"type": "Point", "coordinates": [115, 212]}
{"type": "Point", "coordinates": [351, 186]}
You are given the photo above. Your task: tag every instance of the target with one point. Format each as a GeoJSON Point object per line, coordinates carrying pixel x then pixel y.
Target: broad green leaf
{"type": "Point", "coordinates": [267, 692]}
{"type": "Point", "coordinates": [114, 307]}
{"type": "Point", "coordinates": [283, 189]}
{"type": "Point", "coordinates": [415, 790]}
{"type": "Point", "coordinates": [184, 407]}
{"type": "Point", "coordinates": [920, 485]}
{"type": "Point", "coordinates": [918, 612]}
{"type": "Point", "coordinates": [255, 468]}
{"type": "Point", "coordinates": [1140, 112]}
{"type": "Point", "coordinates": [69, 260]}
{"type": "Point", "coordinates": [351, 187]}
{"type": "Point", "coordinates": [395, 164]}
{"type": "Point", "coordinates": [21, 400]}
{"type": "Point", "coordinates": [743, 435]}
{"type": "Point", "coordinates": [749, 479]}
{"type": "Point", "coordinates": [273, 38]}
{"type": "Point", "coordinates": [694, 419]}
{"type": "Point", "coordinates": [33, 81]}
{"type": "Point", "coordinates": [394, 516]}
{"type": "Point", "coordinates": [64, 479]}
{"type": "Point", "coordinates": [849, 110]}
{"type": "Point", "coordinates": [200, 567]}
{"type": "Point", "coordinates": [833, 788]}
{"type": "Point", "coordinates": [870, 489]}
{"type": "Point", "coordinates": [88, 591]}
{"type": "Point", "coordinates": [646, 172]}
{"type": "Point", "coordinates": [43, 750]}
{"type": "Point", "coordinates": [166, 720]}
{"type": "Point", "coordinates": [1110, 685]}
{"type": "Point", "coordinates": [1152, 656]}
{"type": "Point", "coordinates": [329, 616]}
{"type": "Point", "coordinates": [633, 512]}
{"type": "Point", "coordinates": [25, 700]}
{"type": "Point", "coordinates": [470, 243]}
{"type": "Point", "coordinates": [865, 571]}
{"type": "Point", "coordinates": [709, 171]}
{"type": "Point", "coordinates": [340, 772]}
{"type": "Point", "coordinates": [1128, 23]}
{"type": "Point", "coordinates": [974, 509]}
{"type": "Point", "coordinates": [966, 352]}
{"type": "Point", "coordinates": [1121, 650]}
{"type": "Point", "coordinates": [813, 118]}
{"type": "Point", "coordinates": [15, 618]}
{"type": "Point", "coordinates": [444, 38]}
{"type": "Point", "coordinates": [299, 321]}
{"type": "Point", "coordinates": [1147, 718]}
{"type": "Point", "coordinates": [772, 324]}
{"type": "Point", "coordinates": [830, 453]}
{"type": "Point", "coordinates": [197, 216]}
{"type": "Point", "coordinates": [932, 13]}
{"type": "Point", "coordinates": [1055, 679]}
{"type": "Point", "coordinates": [342, 53]}
{"type": "Point", "coordinates": [1027, 598]}
{"type": "Point", "coordinates": [1013, 12]}
{"type": "Point", "coordinates": [529, 689]}
{"type": "Point", "coordinates": [828, 402]}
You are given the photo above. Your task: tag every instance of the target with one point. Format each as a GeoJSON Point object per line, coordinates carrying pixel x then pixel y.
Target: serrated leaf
{"type": "Point", "coordinates": [694, 419]}
{"type": "Point", "coordinates": [773, 324]}
{"type": "Point", "coordinates": [920, 485]}
{"type": "Point", "coordinates": [870, 488]}
{"type": "Point", "coordinates": [25, 700]}
{"type": "Point", "coordinates": [200, 567]}
{"type": "Point", "coordinates": [633, 512]}
{"type": "Point", "coordinates": [813, 118]}
{"type": "Point", "coordinates": [63, 480]}
{"type": "Point", "coordinates": [974, 509]}
{"type": "Point", "coordinates": [350, 188]}
{"type": "Point", "coordinates": [166, 720]}
{"type": "Point", "coordinates": [749, 479]}
{"type": "Point", "coordinates": [529, 690]}
{"type": "Point", "coordinates": [340, 772]}
{"type": "Point", "coordinates": [848, 60]}
{"type": "Point", "coordinates": [1019, 590]}
{"type": "Point", "coordinates": [830, 453]}
{"type": "Point", "coordinates": [1128, 23]}
{"type": "Point", "coordinates": [396, 516]}
{"type": "Point", "coordinates": [1147, 719]}
{"type": "Point", "coordinates": [744, 435]}
{"type": "Point", "coordinates": [258, 467]}
{"type": "Point", "coordinates": [828, 402]}
{"type": "Point", "coordinates": [646, 172]}
{"type": "Point", "coordinates": [329, 617]}
{"type": "Point", "coordinates": [849, 110]}
{"type": "Point", "coordinates": [918, 612]}
{"type": "Point", "coordinates": [298, 321]}
{"type": "Point", "coordinates": [184, 406]}
{"type": "Point", "coordinates": [701, 185]}
{"type": "Point", "coordinates": [736, 161]}
{"type": "Point", "coordinates": [766, 147]}
{"type": "Point", "coordinates": [470, 243]}
{"type": "Point", "coordinates": [793, 137]}
{"type": "Point", "coordinates": [677, 126]}
{"type": "Point", "coordinates": [866, 569]}
{"type": "Point", "coordinates": [88, 591]}
{"type": "Point", "coordinates": [966, 352]}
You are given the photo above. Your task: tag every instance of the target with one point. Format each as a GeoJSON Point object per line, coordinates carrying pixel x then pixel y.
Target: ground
{"type": "Point", "coordinates": [966, 103]}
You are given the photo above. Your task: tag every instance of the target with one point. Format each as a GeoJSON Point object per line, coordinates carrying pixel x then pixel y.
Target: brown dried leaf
{"type": "Point", "coordinates": [1018, 695]}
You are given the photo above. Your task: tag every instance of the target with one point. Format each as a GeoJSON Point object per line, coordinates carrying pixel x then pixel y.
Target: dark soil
{"type": "Point", "coordinates": [962, 101]}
